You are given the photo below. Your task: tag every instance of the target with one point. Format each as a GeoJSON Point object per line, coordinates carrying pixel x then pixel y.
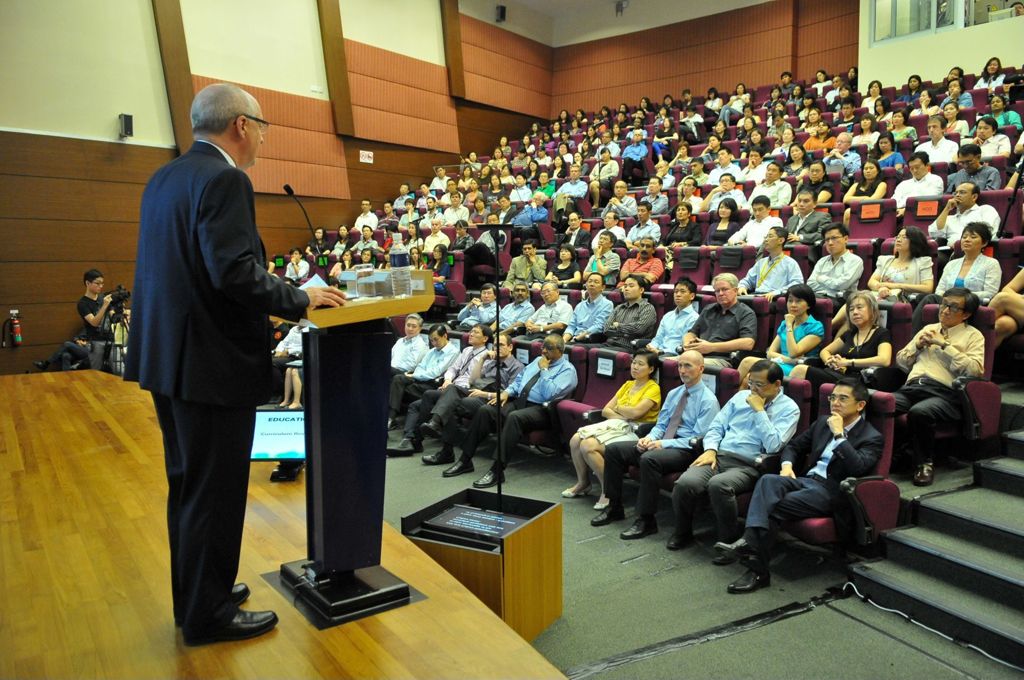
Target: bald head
{"type": "Point", "coordinates": [691, 367]}
{"type": "Point", "coordinates": [217, 105]}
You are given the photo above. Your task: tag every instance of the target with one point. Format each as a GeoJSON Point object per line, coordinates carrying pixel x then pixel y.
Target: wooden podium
{"type": "Point", "coordinates": [346, 361]}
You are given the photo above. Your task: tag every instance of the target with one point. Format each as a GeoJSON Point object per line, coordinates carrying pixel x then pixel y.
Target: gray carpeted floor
{"type": "Point", "coordinates": [621, 596]}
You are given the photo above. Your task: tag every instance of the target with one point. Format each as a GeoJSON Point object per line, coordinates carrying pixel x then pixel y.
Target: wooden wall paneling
{"type": "Point", "coordinates": [48, 156]}
{"type": "Point", "coordinates": [332, 40]}
{"type": "Point", "coordinates": [170, 33]}
{"type": "Point", "coordinates": [27, 240]}
{"type": "Point", "coordinates": [451, 29]}
{"type": "Point", "coordinates": [481, 126]}
{"type": "Point", "coordinates": [59, 282]}
{"type": "Point", "coordinates": [29, 197]}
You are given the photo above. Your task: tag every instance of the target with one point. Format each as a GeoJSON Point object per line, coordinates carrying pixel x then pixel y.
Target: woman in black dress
{"type": "Point", "coordinates": [566, 271]}
{"type": "Point", "coordinates": [726, 225]}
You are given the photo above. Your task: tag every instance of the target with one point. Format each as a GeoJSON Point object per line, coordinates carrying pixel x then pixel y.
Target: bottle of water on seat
{"type": "Point", "coordinates": [401, 284]}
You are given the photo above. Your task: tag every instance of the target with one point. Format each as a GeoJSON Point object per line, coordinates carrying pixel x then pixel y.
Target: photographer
{"type": "Point", "coordinates": [93, 311]}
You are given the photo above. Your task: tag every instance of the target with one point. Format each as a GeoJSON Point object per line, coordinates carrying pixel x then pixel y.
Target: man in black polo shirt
{"type": "Point", "coordinates": [723, 327]}
{"type": "Point", "coordinates": [92, 310]}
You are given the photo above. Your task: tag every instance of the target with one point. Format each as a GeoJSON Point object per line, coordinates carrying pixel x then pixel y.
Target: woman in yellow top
{"type": "Point", "coordinates": [637, 401]}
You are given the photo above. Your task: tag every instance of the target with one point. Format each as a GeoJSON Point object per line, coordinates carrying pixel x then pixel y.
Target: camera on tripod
{"type": "Point", "coordinates": [118, 298]}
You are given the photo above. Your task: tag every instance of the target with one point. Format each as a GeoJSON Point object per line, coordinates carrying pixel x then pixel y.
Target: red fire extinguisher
{"type": "Point", "coordinates": [12, 329]}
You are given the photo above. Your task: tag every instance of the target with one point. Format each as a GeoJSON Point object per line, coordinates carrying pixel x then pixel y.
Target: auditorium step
{"type": "Point", "coordinates": [985, 516]}
{"type": "Point", "coordinates": [1013, 444]}
{"type": "Point", "coordinates": [992, 625]}
{"type": "Point", "coordinates": [1001, 474]}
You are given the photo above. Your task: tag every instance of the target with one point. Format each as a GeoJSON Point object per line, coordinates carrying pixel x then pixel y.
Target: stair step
{"type": "Point", "coordinates": [1001, 474]}
{"type": "Point", "coordinates": [1014, 443]}
{"type": "Point", "coordinates": [991, 625]}
{"type": "Point", "coordinates": [991, 518]}
{"type": "Point", "coordinates": [986, 571]}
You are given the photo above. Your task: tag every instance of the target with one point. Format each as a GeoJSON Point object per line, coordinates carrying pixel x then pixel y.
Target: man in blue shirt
{"type": "Point", "coordinates": [427, 374]}
{"type": "Point", "coordinates": [756, 421]}
{"type": "Point", "coordinates": [634, 171]}
{"type": "Point", "coordinates": [675, 324]}
{"type": "Point", "coordinates": [568, 194]}
{"type": "Point", "coordinates": [480, 309]}
{"type": "Point", "coordinates": [591, 314]}
{"type": "Point", "coordinates": [686, 414]}
{"type": "Point", "coordinates": [608, 143]}
{"type": "Point", "coordinates": [843, 159]}
{"type": "Point", "coordinates": [840, 445]}
{"type": "Point", "coordinates": [515, 314]}
{"type": "Point", "coordinates": [407, 352]}
{"type": "Point", "coordinates": [525, 406]}
{"type": "Point", "coordinates": [775, 272]}
{"type": "Point", "coordinates": [644, 227]}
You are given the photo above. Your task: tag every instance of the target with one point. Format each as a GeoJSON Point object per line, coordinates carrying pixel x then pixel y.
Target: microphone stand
{"type": "Point", "coordinates": [499, 459]}
{"type": "Point", "coordinates": [312, 232]}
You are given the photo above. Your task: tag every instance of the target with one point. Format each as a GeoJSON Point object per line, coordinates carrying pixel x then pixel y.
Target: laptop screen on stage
{"type": "Point", "coordinates": [279, 435]}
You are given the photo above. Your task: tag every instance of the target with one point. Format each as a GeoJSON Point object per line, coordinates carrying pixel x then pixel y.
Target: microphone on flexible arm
{"type": "Point", "coordinates": [291, 192]}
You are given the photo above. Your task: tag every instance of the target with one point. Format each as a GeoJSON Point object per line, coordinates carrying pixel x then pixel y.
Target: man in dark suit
{"type": "Point", "coordinates": [200, 344]}
{"type": "Point", "coordinates": [834, 448]}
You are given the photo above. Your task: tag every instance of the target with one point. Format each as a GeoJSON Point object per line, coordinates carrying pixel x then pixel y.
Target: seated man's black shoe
{"type": "Point", "coordinates": [608, 515]}
{"type": "Point", "coordinates": [735, 550]}
{"type": "Point", "coordinates": [42, 364]}
{"type": "Point", "coordinates": [749, 582]}
{"type": "Point", "coordinates": [239, 593]}
{"type": "Point", "coordinates": [442, 457]}
{"type": "Point", "coordinates": [641, 527]}
{"type": "Point", "coordinates": [461, 467]}
{"type": "Point", "coordinates": [677, 542]}
{"type": "Point", "coordinates": [245, 625]}
{"type": "Point", "coordinates": [406, 447]}
{"type": "Point", "coordinates": [432, 428]}
{"type": "Point", "coordinates": [490, 478]}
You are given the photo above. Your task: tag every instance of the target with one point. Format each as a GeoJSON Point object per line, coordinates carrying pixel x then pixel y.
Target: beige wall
{"type": "Point", "coordinates": [409, 27]}
{"type": "Point", "coordinates": [520, 19]}
{"type": "Point", "coordinates": [71, 66]}
{"type": "Point", "coordinates": [932, 55]}
{"type": "Point", "coordinates": [270, 44]}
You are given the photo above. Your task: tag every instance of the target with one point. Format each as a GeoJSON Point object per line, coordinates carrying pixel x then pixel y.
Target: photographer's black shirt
{"type": "Point", "coordinates": [87, 306]}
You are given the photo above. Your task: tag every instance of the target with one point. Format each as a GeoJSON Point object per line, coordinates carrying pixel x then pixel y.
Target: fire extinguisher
{"type": "Point", "coordinates": [12, 329]}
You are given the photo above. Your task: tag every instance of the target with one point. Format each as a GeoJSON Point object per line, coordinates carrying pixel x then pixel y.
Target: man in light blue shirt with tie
{"type": "Point", "coordinates": [775, 272]}
{"type": "Point", "coordinates": [412, 385]}
{"type": "Point", "coordinates": [525, 407]}
{"type": "Point", "coordinates": [687, 413]}
{"type": "Point", "coordinates": [591, 314]}
{"type": "Point", "coordinates": [668, 341]}
{"type": "Point", "coordinates": [759, 420]}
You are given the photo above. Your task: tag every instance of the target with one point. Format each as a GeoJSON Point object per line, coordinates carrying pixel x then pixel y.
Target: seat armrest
{"type": "Point", "coordinates": [593, 416]}
{"type": "Point", "coordinates": [875, 503]}
{"type": "Point", "coordinates": [980, 401]}
{"type": "Point", "coordinates": [768, 463]}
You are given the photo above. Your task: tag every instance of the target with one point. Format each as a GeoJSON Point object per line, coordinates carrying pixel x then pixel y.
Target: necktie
{"type": "Point", "coordinates": [523, 397]}
{"type": "Point", "coordinates": [677, 416]}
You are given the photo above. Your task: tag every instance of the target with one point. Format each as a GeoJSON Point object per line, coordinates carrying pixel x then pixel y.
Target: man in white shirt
{"type": "Point", "coordinates": [837, 275]}
{"type": "Point", "coordinates": [521, 193]}
{"type": "Point", "coordinates": [367, 218]}
{"type": "Point", "coordinates": [755, 170]}
{"type": "Point", "coordinates": [777, 190]}
{"type": "Point", "coordinates": [456, 211]}
{"type": "Point", "coordinates": [440, 182]}
{"type": "Point", "coordinates": [613, 226]}
{"type": "Point", "coordinates": [753, 232]}
{"type": "Point", "coordinates": [961, 210]}
{"type": "Point", "coordinates": [725, 189]}
{"type": "Point", "coordinates": [724, 165]}
{"type": "Point", "coordinates": [430, 214]}
{"type": "Point", "coordinates": [938, 148]}
{"type": "Point", "coordinates": [921, 182]}
{"type": "Point", "coordinates": [436, 237]}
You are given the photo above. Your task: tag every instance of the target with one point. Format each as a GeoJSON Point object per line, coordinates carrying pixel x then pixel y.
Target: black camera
{"type": "Point", "coordinates": [118, 296]}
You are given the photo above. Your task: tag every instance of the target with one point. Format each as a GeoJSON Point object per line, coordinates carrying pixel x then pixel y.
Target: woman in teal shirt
{"type": "Point", "coordinates": [798, 336]}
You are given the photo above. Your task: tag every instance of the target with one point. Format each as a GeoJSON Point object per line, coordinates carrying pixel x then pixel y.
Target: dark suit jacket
{"type": "Point", "coordinates": [202, 292]}
{"type": "Point", "coordinates": [856, 456]}
{"type": "Point", "coordinates": [812, 231]}
{"type": "Point", "coordinates": [581, 239]}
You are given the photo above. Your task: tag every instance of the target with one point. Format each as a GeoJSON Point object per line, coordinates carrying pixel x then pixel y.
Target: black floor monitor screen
{"type": "Point", "coordinates": [464, 520]}
{"type": "Point", "coordinates": [279, 435]}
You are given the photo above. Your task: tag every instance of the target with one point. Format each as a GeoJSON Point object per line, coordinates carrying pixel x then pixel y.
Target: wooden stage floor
{"type": "Point", "coordinates": [84, 562]}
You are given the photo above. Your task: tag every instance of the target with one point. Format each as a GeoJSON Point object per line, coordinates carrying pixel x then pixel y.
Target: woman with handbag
{"type": "Point", "coordinates": [637, 401]}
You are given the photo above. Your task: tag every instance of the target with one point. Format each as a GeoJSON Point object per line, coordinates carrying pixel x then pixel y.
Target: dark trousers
{"type": "Point", "coordinates": [777, 499]}
{"type": "Point", "coordinates": [734, 475]}
{"type": "Point", "coordinates": [440, 403]}
{"type": "Point", "coordinates": [206, 453]}
{"type": "Point", "coordinates": [654, 464]}
{"type": "Point", "coordinates": [404, 388]}
{"type": "Point", "coordinates": [69, 353]}
{"type": "Point", "coordinates": [465, 409]}
{"type": "Point", "coordinates": [634, 172]}
{"type": "Point", "coordinates": [514, 424]}
{"type": "Point", "coordinates": [926, 403]}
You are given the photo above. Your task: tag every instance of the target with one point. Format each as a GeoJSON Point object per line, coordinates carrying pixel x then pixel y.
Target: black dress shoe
{"type": "Point", "coordinates": [735, 550]}
{"type": "Point", "coordinates": [608, 515]}
{"type": "Point", "coordinates": [490, 478]}
{"type": "Point", "coordinates": [442, 457]}
{"type": "Point", "coordinates": [641, 527]}
{"type": "Point", "coordinates": [432, 428]}
{"type": "Point", "coordinates": [406, 447]}
{"type": "Point", "coordinates": [677, 542]}
{"type": "Point", "coordinates": [749, 582]}
{"type": "Point", "coordinates": [461, 467]}
{"type": "Point", "coordinates": [245, 625]}
{"type": "Point", "coordinates": [42, 364]}
{"type": "Point", "coordinates": [239, 593]}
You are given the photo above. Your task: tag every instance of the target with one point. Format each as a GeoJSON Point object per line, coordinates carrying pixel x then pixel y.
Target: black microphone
{"type": "Point", "coordinates": [291, 192]}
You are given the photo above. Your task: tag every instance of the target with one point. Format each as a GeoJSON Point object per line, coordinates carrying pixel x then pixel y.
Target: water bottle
{"type": "Point", "coordinates": [401, 284]}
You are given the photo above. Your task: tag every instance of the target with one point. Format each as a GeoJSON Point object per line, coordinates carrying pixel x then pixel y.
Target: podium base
{"type": "Point", "coordinates": [340, 597]}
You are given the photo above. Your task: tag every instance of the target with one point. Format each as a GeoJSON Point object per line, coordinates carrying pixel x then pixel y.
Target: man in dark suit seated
{"type": "Point", "coordinates": [206, 355]}
{"type": "Point", "coordinates": [835, 447]}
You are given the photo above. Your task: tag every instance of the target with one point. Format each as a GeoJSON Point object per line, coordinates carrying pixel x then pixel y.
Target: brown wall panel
{"type": "Point", "coordinates": [481, 126]}
{"type": "Point", "coordinates": [46, 156]}
{"type": "Point", "coordinates": [68, 199]}
{"type": "Point", "coordinates": [66, 240]}
{"type": "Point", "coordinates": [59, 282]}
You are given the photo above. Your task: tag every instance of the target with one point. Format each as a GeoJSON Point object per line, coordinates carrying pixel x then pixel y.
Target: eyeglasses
{"type": "Point", "coordinates": [951, 306]}
{"type": "Point", "coordinates": [264, 125]}
{"type": "Point", "coordinates": [838, 398]}
{"type": "Point", "coordinates": [755, 385]}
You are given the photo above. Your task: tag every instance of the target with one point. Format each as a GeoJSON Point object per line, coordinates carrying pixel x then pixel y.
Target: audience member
{"type": "Point", "coordinates": [409, 349]}
{"type": "Point", "coordinates": [723, 327]}
{"type": "Point", "coordinates": [836, 276]}
{"type": "Point", "coordinates": [773, 273]}
{"type": "Point", "coordinates": [603, 176]}
{"type": "Point", "coordinates": [938, 148]}
{"type": "Point", "coordinates": [630, 320]}
{"type": "Point", "coordinates": [798, 336]}
{"type": "Point", "coordinates": [920, 183]}
{"type": "Point", "coordinates": [725, 189]}
{"type": "Point", "coordinates": [551, 317]}
{"type": "Point", "coordinates": [683, 230]}
{"type": "Point", "coordinates": [480, 310]}
{"type": "Point", "coordinates": [1008, 305]}
{"type": "Point", "coordinates": [605, 261]}
{"type": "Point", "coordinates": [727, 224]}
{"type": "Point", "coordinates": [807, 225]}
{"type": "Point", "coordinates": [644, 227]}
{"type": "Point", "coordinates": [975, 271]}
{"type": "Point", "coordinates": [411, 385]}
{"type": "Point", "coordinates": [529, 267]}
{"type": "Point", "coordinates": [960, 210]}
{"type": "Point", "coordinates": [621, 203]}
{"type": "Point", "coordinates": [592, 312]}
{"type": "Point", "coordinates": [297, 269]}
{"type": "Point", "coordinates": [817, 182]}
{"type": "Point", "coordinates": [513, 317]}
{"type": "Point", "coordinates": [668, 341]}
{"type": "Point", "coordinates": [633, 170]}
{"type": "Point", "coordinates": [753, 232]}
